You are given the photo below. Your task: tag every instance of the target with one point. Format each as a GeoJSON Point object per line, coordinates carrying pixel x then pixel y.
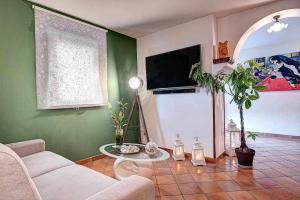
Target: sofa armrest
{"type": "Point", "coordinates": [28, 147]}
{"type": "Point", "coordinates": [133, 187]}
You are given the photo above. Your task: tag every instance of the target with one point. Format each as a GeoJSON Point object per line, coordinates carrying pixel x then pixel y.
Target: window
{"type": "Point", "coordinates": [70, 62]}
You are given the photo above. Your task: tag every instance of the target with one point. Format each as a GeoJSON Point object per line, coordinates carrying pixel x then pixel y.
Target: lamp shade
{"type": "Point", "coordinates": [135, 83]}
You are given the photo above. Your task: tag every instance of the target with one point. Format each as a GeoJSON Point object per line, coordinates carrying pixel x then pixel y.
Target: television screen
{"type": "Point", "coordinates": [171, 69]}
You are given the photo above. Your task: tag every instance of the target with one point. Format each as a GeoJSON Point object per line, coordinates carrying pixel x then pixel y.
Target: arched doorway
{"type": "Point", "coordinates": [276, 111]}
{"type": "Point", "coordinates": [283, 14]}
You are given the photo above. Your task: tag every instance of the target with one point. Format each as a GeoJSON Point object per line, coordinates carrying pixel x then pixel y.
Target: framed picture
{"type": "Point", "coordinates": [280, 72]}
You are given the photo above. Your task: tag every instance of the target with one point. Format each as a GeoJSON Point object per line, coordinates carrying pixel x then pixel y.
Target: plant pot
{"type": "Point", "coordinates": [245, 160]}
{"type": "Point", "coordinates": [119, 137]}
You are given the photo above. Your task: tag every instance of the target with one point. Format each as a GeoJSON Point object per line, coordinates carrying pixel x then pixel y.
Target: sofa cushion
{"type": "Point", "coordinates": [72, 182]}
{"type": "Point", "coordinates": [15, 182]}
{"type": "Point", "coordinates": [43, 162]}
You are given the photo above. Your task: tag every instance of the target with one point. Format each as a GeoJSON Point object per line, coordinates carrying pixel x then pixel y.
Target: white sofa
{"type": "Point", "coordinates": [28, 172]}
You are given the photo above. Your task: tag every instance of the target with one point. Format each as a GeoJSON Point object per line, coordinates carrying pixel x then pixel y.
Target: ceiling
{"type": "Point", "coordinates": [262, 38]}
{"type": "Point", "coordinates": [137, 18]}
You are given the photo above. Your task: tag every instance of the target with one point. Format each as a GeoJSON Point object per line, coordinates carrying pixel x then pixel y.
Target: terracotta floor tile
{"type": "Point", "coordinates": [176, 164]}
{"type": "Point", "coordinates": [109, 173]}
{"type": "Point", "coordinates": [161, 164]}
{"type": "Point", "coordinates": [287, 163]}
{"type": "Point", "coordinates": [184, 178]}
{"type": "Point", "coordinates": [219, 176]}
{"type": "Point", "coordinates": [166, 179]}
{"type": "Point", "coordinates": [275, 175]}
{"type": "Point", "coordinates": [296, 178]}
{"type": "Point", "coordinates": [283, 194]}
{"type": "Point", "coordinates": [188, 163]}
{"type": "Point", "coordinates": [218, 196]}
{"type": "Point", "coordinates": [295, 191]}
{"type": "Point", "coordinates": [240, 195]}
{"type": "Point", "coordinates": [201, 177]}
{"type": "Point", "coordinates": [247, 182]}
{"type": "Point", "coordinates": [171, 197]}
{"type": "Point", "coordinates": [169, 190]}
{"type": "Point", "coordinates": [179, 170]}
{"type": "Point", "coordinates": [267, 182]}
{"type": "Point", "coordinates": [271, 173]}
{"type": "Point", "coordinates": [287, 171]}
{"type": "Point", "coordinates": [226, 168]}
{"type": "Point", "coordinates": [228, 186]}
{"type": "Point", "coordinates": [253, 173]}
{"type": "Point", "coordinates": [261, 194]}
{"type": "Point", "coordinates": [209, 187]}
{"type": "Point", "coordinates": [194, 197]}
{"type": "Point", "coordinates": [189, 188]}
{"type": "Point", "coordinates": [287, 182]}
{"type": "Point", "coordinates": [156, 191]}
{"type": "Point", "coordinates": [196, 170]}
{"type": "Point", "coordinates": [162, 171]}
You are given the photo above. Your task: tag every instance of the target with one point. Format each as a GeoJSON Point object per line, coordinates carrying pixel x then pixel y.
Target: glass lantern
{"type": "Point", "coordinates": [232, 138]}
{"type": "Point", "coordinates": [198, 157]}
{"type": "Point", "coordinates": [178, 149]}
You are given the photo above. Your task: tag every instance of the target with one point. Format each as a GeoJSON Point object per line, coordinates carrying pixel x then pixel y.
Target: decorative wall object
{"type": "Point", "coordinates": [71, 68]}
{"type": "Point", "coordinates": [280, 72]}
{"type": "Point", "coordinates": [223, 49]}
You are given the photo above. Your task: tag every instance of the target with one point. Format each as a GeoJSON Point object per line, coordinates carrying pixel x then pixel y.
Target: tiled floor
{"type": "Point", "coordinates": [275, 176]}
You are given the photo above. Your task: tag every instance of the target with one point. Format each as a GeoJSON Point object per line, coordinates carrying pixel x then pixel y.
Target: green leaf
{"type": "Point", "coordinates": [260, 87]}
{"type": "Point", "coordinates": [253, 97]}
{"type": "Point", "coordinates": [252, 136]}
{"type": "Point", "coordinates": [247, 104]}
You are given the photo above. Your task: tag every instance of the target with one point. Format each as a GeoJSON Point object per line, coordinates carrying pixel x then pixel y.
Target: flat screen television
{"type": "Point", "coordinates": [171, 69]}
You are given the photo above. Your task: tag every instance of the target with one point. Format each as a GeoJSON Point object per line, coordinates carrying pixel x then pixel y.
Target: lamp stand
{"type": "Point", "coordinates": [137, 101]}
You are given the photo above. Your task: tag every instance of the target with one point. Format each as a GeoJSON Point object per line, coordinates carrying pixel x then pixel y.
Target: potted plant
{"type": "Point", "coordinates": [243, 88]}
{"type": "Point", "coordinates": [212, 83]}
{"type": "Point", "coordinates": [119, 121]}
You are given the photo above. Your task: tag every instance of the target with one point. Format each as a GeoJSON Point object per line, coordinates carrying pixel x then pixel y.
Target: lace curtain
{"type": "Point", "coordinates": [71, 69]}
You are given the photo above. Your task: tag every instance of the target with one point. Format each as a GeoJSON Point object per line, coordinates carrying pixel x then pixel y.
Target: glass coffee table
{"type": "Point", "coordinates": [133, 164]}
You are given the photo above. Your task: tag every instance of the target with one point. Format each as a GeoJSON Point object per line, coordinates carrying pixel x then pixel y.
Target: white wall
{"type": "Point", "coordinates": [189, 115]}
{"type": "Point", "coordinates": [269, 50]}
{"type": "Point", "coordinates": [275, 112]}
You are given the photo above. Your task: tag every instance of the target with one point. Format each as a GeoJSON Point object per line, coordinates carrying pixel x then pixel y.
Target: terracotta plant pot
{"type": "Point", "coordinates": [245, 160]}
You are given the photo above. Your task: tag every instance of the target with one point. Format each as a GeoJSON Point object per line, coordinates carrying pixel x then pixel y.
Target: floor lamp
{"type": "Point", "coordinates": [135, 83]}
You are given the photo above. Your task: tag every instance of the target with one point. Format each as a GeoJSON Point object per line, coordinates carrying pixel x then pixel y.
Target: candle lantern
{"type": "Point", "coordinates": [232, 138]}
{"type": "Point", "coordinates": [178, 150]}
{"type": "Point", "coordinates": [198, 157]}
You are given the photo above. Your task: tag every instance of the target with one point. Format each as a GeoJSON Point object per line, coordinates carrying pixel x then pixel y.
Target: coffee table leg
{"type": "Point", "coordinates": [128, 168]}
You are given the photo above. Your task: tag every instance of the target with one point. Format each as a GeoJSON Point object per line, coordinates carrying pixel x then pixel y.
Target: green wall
{"type": "Point", "coordinates": [73, 134]}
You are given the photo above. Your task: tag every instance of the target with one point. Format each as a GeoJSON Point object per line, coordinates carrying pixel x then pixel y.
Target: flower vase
{"type": "Point", "coordinates": [119, 136]}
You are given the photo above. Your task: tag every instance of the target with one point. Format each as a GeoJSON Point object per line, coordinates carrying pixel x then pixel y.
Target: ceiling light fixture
{"type": "Point", "coordinates": [277, 26]}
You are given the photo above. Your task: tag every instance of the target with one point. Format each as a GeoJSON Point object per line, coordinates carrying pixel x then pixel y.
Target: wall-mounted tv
{"type": "Point", "coordinates": [171, 69]}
